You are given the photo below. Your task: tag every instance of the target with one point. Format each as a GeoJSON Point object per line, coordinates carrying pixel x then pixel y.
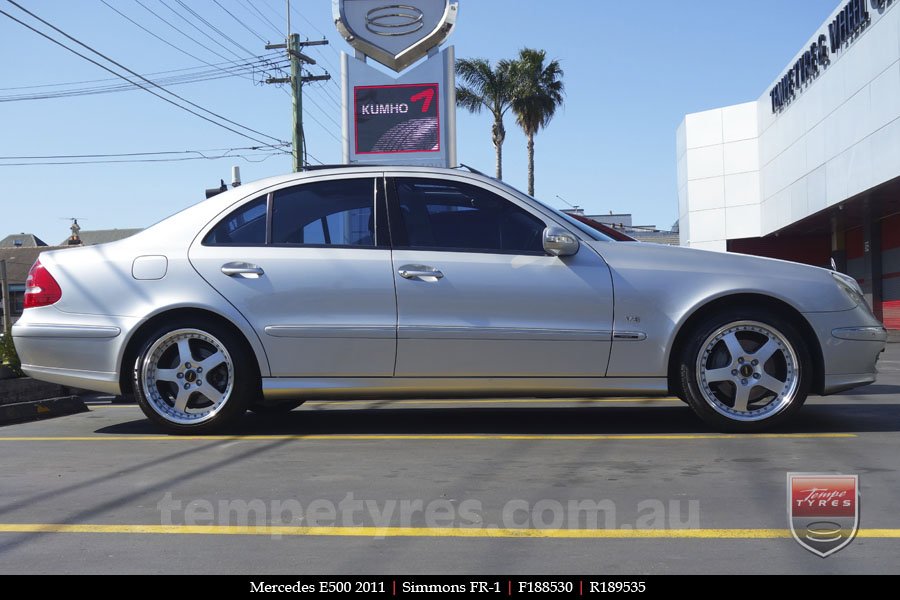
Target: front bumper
{"type": "Point", "coordinates": [851, 342]}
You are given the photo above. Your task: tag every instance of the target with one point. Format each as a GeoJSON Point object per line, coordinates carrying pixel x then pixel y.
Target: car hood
{"type": "Point", "coordinates": [708, 274]}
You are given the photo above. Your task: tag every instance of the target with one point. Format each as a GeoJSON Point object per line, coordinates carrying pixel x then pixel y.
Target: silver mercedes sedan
{"type": "Point", "coordinates": [393, 282]}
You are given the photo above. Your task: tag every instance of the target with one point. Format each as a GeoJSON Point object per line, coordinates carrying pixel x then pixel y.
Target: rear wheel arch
{"type": "Point", "coordinates": [750, 302]}
{"type": "Point", "coordinates": [133, 347]}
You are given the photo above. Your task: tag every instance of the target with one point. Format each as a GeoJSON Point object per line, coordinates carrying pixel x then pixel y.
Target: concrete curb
{"type": "Point", "coordinates": [893, 336]}
{"type": "Point", "coordinates": [41, 409]}
{"type": "Point", "coordinates": [26, 389]}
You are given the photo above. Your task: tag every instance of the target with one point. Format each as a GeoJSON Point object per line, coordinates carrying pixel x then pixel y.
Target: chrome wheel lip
{"type": "Point", "coordinates": [776, 405]}
{"type": "Point", "coordinates": [149, 376]}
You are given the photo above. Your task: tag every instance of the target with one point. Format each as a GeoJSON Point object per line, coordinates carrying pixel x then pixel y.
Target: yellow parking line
{"type": "Point", "coordinates": [424, 532]}
{"type": "Point", "coordinates": [434, 437]}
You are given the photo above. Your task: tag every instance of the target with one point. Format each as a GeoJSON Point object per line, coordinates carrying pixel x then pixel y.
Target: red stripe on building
{"type": "Point", "coordinates": [891, 310]}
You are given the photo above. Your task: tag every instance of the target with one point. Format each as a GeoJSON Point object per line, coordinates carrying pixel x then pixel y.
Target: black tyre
{"type": "Point", "coordinates": [282, 408]}
{"type": "Point", "coordinates": [745, 369]}
{"type": "Point", "coordinates": [195, 376]}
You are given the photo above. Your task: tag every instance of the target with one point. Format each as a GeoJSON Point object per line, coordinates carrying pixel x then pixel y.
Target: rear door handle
{"type": "Point", "coordinates": [419, 272]}
{"type": "Point", "coordinates": [242, 269]}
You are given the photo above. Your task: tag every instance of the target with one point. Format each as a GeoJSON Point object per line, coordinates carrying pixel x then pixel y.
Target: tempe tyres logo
{"type": "Point", "coordinates": [823, 510]}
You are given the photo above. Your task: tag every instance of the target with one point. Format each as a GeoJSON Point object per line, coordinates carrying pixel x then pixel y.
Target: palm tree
{"type": "Point", "coordinates": [539, 92]}
{"type": "Point", "coordinates": [482, 86]}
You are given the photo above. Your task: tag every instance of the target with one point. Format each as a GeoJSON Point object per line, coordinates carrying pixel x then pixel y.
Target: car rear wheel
{"type": "Point", "coordinates": [194, 377]}
{"type": "Point", "coordinates": [745, 370]}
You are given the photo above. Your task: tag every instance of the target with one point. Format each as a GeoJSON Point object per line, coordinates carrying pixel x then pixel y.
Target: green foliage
{"type": "Point", "coordinates": [8, 355]}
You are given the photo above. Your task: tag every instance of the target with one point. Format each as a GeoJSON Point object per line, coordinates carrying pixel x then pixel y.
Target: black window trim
{"type": "Point", "coordinates": [383, 228]}
{"type": "Point", "coordinates": [398, 233]}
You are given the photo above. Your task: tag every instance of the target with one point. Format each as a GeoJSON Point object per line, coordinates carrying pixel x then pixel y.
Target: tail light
{"type": "Point", "coordinates": [40, 287]}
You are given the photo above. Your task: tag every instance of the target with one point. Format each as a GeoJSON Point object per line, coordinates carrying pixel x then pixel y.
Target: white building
{"type": "Point", "coordinates": [810, 171]}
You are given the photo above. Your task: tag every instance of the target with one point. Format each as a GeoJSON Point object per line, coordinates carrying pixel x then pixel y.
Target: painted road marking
{"type": "Point", "coordinates": [434, 437]}
{"type": "Point", "coordinates": [424, 532]}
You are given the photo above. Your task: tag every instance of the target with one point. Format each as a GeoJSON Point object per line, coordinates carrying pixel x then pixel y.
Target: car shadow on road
{"type": "Point", "coordinates": [677, 419]}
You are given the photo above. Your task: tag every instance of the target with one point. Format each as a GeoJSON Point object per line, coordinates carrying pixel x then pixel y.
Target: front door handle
{"type": "Point", "coordinates": [419, 272]}
{"type": "Point", "coordinates": [242, 269]}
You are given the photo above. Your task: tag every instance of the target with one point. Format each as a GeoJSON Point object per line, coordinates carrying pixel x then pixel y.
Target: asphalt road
{"type": "Point", "coordinates": [503, 487]}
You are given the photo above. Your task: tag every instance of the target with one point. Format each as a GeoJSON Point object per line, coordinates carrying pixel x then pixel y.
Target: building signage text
{"type": "Point", "coordinates": [849, 22]}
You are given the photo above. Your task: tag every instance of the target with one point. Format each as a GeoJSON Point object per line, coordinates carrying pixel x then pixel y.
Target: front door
{"type": "Point", "coordinates": [309, 266]}
{"type": "Point", "coordinates": [477, 296]}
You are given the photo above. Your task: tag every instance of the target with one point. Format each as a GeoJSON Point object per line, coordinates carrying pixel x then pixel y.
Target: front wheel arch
{"type": "Point", "coordinates": [750, 302]}
{"type": "Point", "coordinates": [150, 325]}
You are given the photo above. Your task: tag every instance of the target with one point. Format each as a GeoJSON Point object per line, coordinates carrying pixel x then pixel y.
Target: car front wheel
{"type": "Point", "coordinates": [745, 370]}
{"type": "Point", "coordinates": [194, 377]}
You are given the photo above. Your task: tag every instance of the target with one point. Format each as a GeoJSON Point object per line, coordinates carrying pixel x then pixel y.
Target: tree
{"type": "Point", "coordinates": [538, 93]}
{"type": "Point", "coordinates": [482, 86]}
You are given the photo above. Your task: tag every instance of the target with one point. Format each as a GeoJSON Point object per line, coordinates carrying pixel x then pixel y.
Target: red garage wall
{"type": "Point", "coordinates": [890, 281]}
{"type": "Point", "coordinates": [811, 249]}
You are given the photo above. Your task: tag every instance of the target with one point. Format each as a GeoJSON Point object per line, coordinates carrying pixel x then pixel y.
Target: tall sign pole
{"type": "Point", "coordinates": [408, 118]}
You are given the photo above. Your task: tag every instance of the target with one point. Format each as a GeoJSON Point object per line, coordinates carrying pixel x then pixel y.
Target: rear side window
{"type": "Point", "coordinates": [333, 213]}
{"type": "Point", "coordinates": [245, 226]}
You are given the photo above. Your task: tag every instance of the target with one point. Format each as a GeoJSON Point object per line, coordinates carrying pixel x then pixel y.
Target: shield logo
{"type": "Point", "coordinates": [396, 35]}
{"type": "Point", "coordinates": [823, 510]}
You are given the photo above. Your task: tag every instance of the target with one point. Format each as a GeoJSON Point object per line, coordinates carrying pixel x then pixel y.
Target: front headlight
{"type": "Point", "coordinates": [850, 287]}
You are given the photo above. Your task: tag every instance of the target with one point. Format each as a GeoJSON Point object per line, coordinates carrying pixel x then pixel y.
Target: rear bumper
{"type": "Point", "coordinates": [97, 381]}
{"type": "Point", "coordinates": [82, 355]}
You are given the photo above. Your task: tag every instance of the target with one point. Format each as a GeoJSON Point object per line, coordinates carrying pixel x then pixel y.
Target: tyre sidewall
{"type": "Point", "coordinates": [245, 389]}
{"type": "Point", "coordinates": [687, 365]}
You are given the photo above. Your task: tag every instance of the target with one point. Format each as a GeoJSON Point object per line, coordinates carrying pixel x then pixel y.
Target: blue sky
{"type": "Point", "coordinates": [632, 70]}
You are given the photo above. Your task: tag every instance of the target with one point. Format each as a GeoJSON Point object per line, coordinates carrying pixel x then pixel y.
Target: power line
{"type": "Point", "coordinates": [242, 24]}
{"type": "Point", "coordinates": [196, 77]}
{"type": "Point", "coordinates": [245, 157]}
{"type": "Point", "coordinates": [262, 59]}
{"type": "Point", "coordinates": [208, 36]}
{"type": "Point", "coordinates": [213, 27]}
{"type": "Point", "coordinates": [163, 40]}
{"type": "Point", "coordinates": [261, 16]}
{"type": "Point", "coordinates": [201, 153]}
{"type": "Point", "coordinates": [205, 118]}
{"type": "Point", "coordinates": [187, 35]}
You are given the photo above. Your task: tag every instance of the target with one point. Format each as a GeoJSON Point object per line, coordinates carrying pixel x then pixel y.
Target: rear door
{"type": "Point", "coordinates": [309, 266]}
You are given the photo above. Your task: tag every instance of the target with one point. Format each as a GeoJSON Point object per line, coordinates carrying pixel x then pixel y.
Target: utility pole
{"type": "Point", "coordinates": [294, 48]}
{"type": "Point", "coordinates": [4, 291]}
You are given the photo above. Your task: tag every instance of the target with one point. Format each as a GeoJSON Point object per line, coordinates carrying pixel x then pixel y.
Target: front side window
{"type": "Point", "coordinates": [447, 215]}
{"type": "Point", "coordinates": [245, 226]}
{"type": "Point", "coordinates": [334, 213]}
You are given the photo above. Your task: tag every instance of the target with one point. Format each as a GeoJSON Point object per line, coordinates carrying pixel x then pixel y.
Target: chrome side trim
{"type": "Point", "coordinates": [861, 334]}
{"type": "Point", "coordinates": [39, 330]}
{"type": "Point", "coordinates": [460, 387]}
{"type": "Point", "coordinates": [453, 332]}
{"type": "Point", "coordinates": [629, 336]}
{"type": "Point", "coordinates": [332, 331]}
{"type": "Point", "coordinates": [839, 383]}
{"type": "Point", "coordinates": [100, 381]}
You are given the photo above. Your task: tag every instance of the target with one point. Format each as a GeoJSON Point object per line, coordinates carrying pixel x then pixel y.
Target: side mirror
{"type": "Point", "coordinates": [559, 242]}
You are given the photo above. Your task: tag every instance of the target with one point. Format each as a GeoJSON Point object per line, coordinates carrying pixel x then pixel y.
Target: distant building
{"type": "Point", "coordinates": [89, 237]}
{"type": "Point", "coordinates": [22, 240]}
{"type": "Point", "coordinates": [623, 222]}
